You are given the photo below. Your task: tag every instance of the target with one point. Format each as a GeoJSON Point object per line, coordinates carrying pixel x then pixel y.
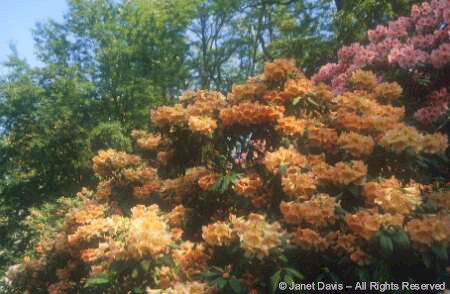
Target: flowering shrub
{"type": "Point", "coordinates": [416, 49]}
{"type": "Point", "coordinates": [282, 180]}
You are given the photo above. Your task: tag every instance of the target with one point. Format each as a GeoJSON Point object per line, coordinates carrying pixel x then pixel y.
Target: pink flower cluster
{"type": "Point", "coordinates": [420, 39]}
{"type": "Point", "coordinates": [439, 101]}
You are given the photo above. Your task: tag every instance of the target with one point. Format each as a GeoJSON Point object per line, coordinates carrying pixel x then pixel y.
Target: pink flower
{"type": "Point", "coordinates": [326, 72]}
{"type": "Point", "coordinates": [426, 8]}
{"type": "Point", "coordinates": [429, 114]}
{"type": "Point", "coordinates": [415, 11]}
{"type": "Point", "coordinates": [440, 56]}
{"type": "Point", "coordinates": [378, 34]}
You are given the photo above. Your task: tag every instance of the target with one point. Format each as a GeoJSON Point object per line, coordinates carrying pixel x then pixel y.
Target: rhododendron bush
{"type": "Point", "coordinates": [414, 49]}
{"type": "Point", "coordinates": [285, 179]}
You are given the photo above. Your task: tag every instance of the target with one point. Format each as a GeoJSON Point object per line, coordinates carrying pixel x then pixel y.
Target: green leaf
{"type": "Point", "coordinates": [295, 273]}
{"type": "Point", "coordinates": [401, 239]}
{"type": "Point", "coordinates": [217, 185]}
{"type": "Point", "coordinates": [97, 281]}
{"type": "Point", "coordinates": [210, 275]}
{"type": "Point", "coordinates": [274, 280]}
{"type": "Point", "coordinates": [296, 100]}
{"type": "Point", "coordinates": [135, 274]}
{"type": "Point", "coordinates": [235, 285]}
{"type": "Point", "coordinates": [283, 169]}
{"type": "Point", "coordinates": [226, 183]}
{"type": "Point", "coordinates": [288, 279]}
{"type": "Point", "coordinates": [235, 177]}
{"type": "Point", "coordinates": [145, 264]}
{"type": "Point", "coordinates": [283, 258]}
{"type": "Point", "coordinates": [387, 247]}
{"type": "Point", "coordinates": [221, 282]}
{"type": "Point", "coordinates": [440, 251]}
{"type": "Point", "coordinates": [310, 100]}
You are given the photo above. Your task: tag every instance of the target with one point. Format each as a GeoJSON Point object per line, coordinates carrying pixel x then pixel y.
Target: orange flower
{"type": "Point", "coordinates": [345, 173]}
{"type": "Point", "coordinates": [279, 69]}
{"type": "Point", "coordinates": [217, 234]}
{"type": "Point", "coordinates": [356, 144]}
{"type": "Point", "coordinates": [169, 115]}
{"type": "Point", "coordinates": [250, 114]}
{"type": "Point", "coordinates": [283, 157]}
{"type": "Point", "coordinates": [298, 184]}
{"type": "Point", "coordinates": [202, 124]}
{"type": "Point", "coordinates": [364, 224]}
{"type": "Point", "coordinates": [363, 80]}
{"type": "Point", "coordinates": [308, 239]}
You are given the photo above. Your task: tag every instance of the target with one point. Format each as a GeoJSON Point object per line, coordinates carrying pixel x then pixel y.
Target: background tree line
{"type": "Point", "coordinates": [109, 62]}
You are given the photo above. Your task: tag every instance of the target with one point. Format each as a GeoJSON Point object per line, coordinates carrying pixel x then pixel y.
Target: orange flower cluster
{"type": "Point", "coordinates": [146, 140]}
{"type": "Point", "coordinates": [348, 244]}
{"type": "Point", "coordinates": [322, 137]}
{"type": "Point", "coordinates": [283, 157]}
{"type": "Point", "coordinates": [253, 89]}
{"type": "Point", "coordinates": [343, 243]}
{"type": "Point", "coordinates": [256, 235]}
{"type": "Point", "coordinates": [388, 91]}
{"type": "Point", "coordinates": [360, 257]}
{"type": "Point", "coordinates": [176, 216]}
{"type": "Point", "coordinates": [208, 181]}
{"type": "Point", "coordinates": [108, 161]}
{"type": "Point", "coordinates": [430, 230]}
{"type": "Point", "coordinates": [189, 287]}
{"type": "Point", "coordinates": [86, 214]}
{"type": "Point", "coordinates": [364, 103]}
{"type": "Point", "coordinates": [442, 199]}
{"type": "Point", "coordinates": [149, 233]}
{"type": "Point", "coordinates": [164, 156]}
{"type": "Point", "coordinates": [203, 103]}
{"type": "Point", "coordinates": [393, 198]}
{"type": "Point", "coordinates": [364, 223]}
{"type": "Point", "coordinates": [202, 124]}
{"type": "Point", "coordinates": [169, 115]}
{"type": "Point", "coordinates": [356, 144]}
{"type": "Point", "coordinates": [298, 184]}
{"type": "Point", "coordinates": [60, 287]}
{"type": "Point", "coordinates": [217, 234]}
{"type": "Point", "coordinates": [87, 232]}
{"type": "Point", "coordinates": [318, 212]}
{"type": "Point", "coordinates": [191, 258]}
{"type": "Point", "coordinates": [403, 137]}
{"type": "Point", "coordinates": [146, 190]}
{"type": "Point", "coordinates": [198, 112]}
{"type": "Point", "coordinates": [292, 126]}
{"type": "Point", "coordinates": [184, 185]}
{"type": "Point", "coordinates": [104, 189]}
{"type": "Point", "coordinates": [297, 88]}
{"type": "Point", "coordinates": [165, 276]}
{"type": "Point", "coordinates": [344, 173]}
{"type": "Point", "coordinates": [147, 176]}
{"type": "Point", "coordinates": [249, 185]}
{"type": "Point", "coordinates": [250, 114]}
{"type": "Point", "coordinates": [280, 69]}
{"type": "Point", "coordinates": [363, 80]}
{"type": "Point", "coordinates": [310, 240]}
{"type": "Point", "coordinates": [140, 174]}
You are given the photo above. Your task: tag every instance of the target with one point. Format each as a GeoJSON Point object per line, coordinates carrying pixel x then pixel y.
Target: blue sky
{"type": "Point", "coordinates": [18, 17]}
